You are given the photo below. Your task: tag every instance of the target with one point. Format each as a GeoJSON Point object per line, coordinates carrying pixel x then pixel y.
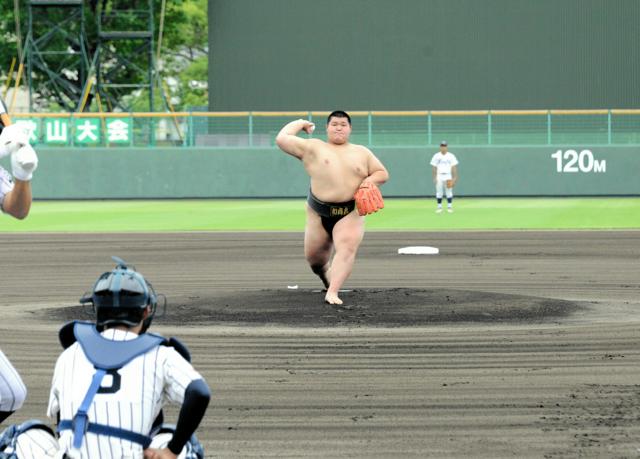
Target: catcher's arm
{"type": "Point", "coordinates": [288, 140]}
{"type": "Point", "coordinates": [196, 399]}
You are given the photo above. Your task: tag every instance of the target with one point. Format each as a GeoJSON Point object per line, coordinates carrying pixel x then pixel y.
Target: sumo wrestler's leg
{"type": "Point", "coordinates": [317, 246]}
{"type": "Point", "coordinates": [347, 236]}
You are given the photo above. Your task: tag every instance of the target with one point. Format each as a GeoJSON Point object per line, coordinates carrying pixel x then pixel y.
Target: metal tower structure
{"type": "Point", "coordinates": [56, 50]}
{"type": "Point", "coordinates": [125, 38]}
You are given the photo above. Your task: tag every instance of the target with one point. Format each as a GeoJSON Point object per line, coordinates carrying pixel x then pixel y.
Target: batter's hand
{"type": "Point", "coordinates": [164, 453]}
{"type": "Point", "coordinates": [12, 138]}
{"type": "Point", "coordinates": [368, 199]}
{"type": "Point", "coordinates": [23, 162]}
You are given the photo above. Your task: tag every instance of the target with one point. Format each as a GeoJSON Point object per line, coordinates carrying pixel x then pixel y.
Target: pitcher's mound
{"type": "Point", "coordinates": [396, 307]}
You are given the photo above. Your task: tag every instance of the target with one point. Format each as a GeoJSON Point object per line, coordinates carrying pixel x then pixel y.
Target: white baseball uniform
{"type": "Point", "coordinates": [6, 180]}
{"type": "Point", "coordinates": [443, 164]}
{"type": "Point", "coordinates": [36, 444]}
{"type": "Point", "coordinates": [145, 384]}
{"type": "Point", "coordinates": [12, 390]}
{"type": "Point", "coordinates": [40, 444]}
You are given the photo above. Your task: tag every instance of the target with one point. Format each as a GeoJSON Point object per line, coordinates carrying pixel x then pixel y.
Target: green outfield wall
{"type": "Point", "coordinates": [107, 173]}
{"type": "Point", "coordinates": [423, 54]}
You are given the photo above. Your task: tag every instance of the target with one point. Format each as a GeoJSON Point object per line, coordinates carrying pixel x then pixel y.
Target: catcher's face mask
{"type": "Point", "coordinates": [122, 296]}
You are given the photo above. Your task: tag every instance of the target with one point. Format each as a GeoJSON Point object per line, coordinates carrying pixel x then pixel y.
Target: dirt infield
{"type": "Point", "coordinates": [506, 344]}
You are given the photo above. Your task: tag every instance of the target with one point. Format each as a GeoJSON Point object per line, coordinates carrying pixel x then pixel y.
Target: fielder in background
{"type": "Point", "coordinates": [344, 176]}
{"type": "Point", "coordinates": [445, 175]}
{"type": "Point", "coordinates": [15, 192]}
{"type": "Point", "coordinates": [112, 381]}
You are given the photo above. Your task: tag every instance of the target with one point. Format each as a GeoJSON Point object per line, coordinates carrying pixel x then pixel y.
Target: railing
{"type": "Point", "coordinates": [373, 128]}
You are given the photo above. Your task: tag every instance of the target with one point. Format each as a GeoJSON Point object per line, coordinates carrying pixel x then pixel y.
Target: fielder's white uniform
{"type": "Point", "coordinates": [12, 390]}
{"type": "Point", "coordinates": [443, 164]}
{"type": "Point", "coordinates": [146, 384]}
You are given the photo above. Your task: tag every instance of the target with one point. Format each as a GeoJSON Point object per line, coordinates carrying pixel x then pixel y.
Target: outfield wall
{"type": "Point", "coordinates": [423, 54]}
{"type": "Point", "coordinates": [119, 173]}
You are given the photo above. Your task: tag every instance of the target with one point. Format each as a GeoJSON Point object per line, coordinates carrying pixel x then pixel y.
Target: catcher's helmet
{"type": "Point", "coordinates": [121, 296]}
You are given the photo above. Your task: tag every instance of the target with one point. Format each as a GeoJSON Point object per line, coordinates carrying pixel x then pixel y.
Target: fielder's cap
{"type": "Point", "coordinates": [443, 143]}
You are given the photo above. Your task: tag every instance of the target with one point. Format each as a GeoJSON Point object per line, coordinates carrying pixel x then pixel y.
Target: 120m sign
{"type": "Point", "coordinates": [570, 161]}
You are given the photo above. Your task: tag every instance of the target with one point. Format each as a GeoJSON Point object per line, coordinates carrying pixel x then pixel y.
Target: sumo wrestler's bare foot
{"type": "Point", "coordinates": [332, 298]}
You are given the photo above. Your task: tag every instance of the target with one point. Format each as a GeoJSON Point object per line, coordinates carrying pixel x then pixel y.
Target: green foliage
{"type": "Point", "coordinates": [183, 49]}
{"type": "Point", "coordinates": [8, 39]}
{"type": "Point", "coordinates": [185, 26]}
{"type": "Point", "coordinates": [193, 89]}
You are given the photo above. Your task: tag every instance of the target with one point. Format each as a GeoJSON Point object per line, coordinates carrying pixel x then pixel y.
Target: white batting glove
{"type": "Point", "coordinates": [24, 162]}
{"type": "Point", "coordinates": [12, 138]}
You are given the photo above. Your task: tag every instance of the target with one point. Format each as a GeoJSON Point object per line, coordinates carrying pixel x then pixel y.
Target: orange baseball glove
{"type": "Point", "coordinates": [449, 183]}
{"type": "Point", "coordinates": [368, 199]}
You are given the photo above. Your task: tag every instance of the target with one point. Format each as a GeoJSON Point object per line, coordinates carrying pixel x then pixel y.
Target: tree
{"type": "Point", "coordinates": [183, 49]}
{"type": "Point", "coordinates": [185, 55]}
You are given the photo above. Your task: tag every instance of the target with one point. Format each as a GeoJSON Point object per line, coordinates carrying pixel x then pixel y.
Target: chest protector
{"type": "Point", "coordinates": [105, 355]}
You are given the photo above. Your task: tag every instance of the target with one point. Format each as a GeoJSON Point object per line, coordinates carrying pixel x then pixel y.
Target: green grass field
{"type": "Point", "coordinates": [288, 215]}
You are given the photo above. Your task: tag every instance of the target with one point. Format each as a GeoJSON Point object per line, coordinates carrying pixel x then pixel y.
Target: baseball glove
{"type": "Point", "coordinates": [368, 199]}
{"type": "Point", "coordinates": [449, 183]}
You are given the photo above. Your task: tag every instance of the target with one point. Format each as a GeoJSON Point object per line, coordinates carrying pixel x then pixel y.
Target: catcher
{"type": "Point", "coordinates": [111, 382]}
{"type": "Point", "coordinates": [344, 176]}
